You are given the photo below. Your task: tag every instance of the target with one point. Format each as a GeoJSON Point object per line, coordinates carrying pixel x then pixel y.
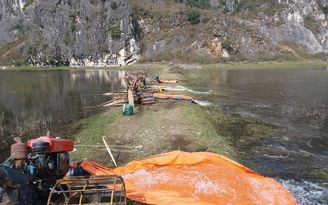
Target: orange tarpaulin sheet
{"type": "Point", "coordinates": [168, 81]}
{"type": "Point", "coordinates": [194, 178]}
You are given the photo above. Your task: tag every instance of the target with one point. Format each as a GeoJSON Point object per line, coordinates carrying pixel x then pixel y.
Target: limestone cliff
{"type": "Point", "coordinates": [119, 32]}
{"type": "Point", "coordinates": [260, 30]}
{"type": "Point", "coordinates": [88, 33]}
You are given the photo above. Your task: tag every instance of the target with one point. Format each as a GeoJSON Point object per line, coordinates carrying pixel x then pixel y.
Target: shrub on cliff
{"type": "Point", "coordinates": [115, 31]}
{"type": "Point", "coordinates": [113, 5]}
{"type": "Point", "coordinates": [226, 44]}
{"type": "Point", "coordinates": [193, 17]}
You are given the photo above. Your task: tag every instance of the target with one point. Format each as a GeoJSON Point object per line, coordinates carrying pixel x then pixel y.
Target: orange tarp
{"type": "Point", "coordinates": [168, 81]}
{"type": "Point", "coordinates": [195, 178]}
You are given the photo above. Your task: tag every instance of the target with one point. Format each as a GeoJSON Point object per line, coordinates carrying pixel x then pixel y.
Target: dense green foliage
{"type": "Point", "coordinates": [17, 63]}
{"type": "Point", "coordinates": [113, 5]}
{"type": "Point", "coordinates": [72, 18]}
{"type": "Point", "coordinates": [226, 44]}
{"type": "Point", "coordinates": [50, 60]}
{"type": "Point", "coordinates": [194, 17]}
{"type": "Point", "coordinates": [19, 24]}
{"type": "Point", "coordinates": [115, 31]}
{"type": "Point", "coordinates": [72, 27]}
{"type": "Point", "coordinates": [31, 51]}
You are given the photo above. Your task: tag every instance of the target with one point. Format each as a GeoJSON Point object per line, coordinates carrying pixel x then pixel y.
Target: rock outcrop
{"type": "Point", "coordinates": [12, 20]}
{"type": "Point", "coordinates": [111, 32]}
{"type": "Point", "coordinates": [302, 21]}
{"type": "Point", "coordinates": [259, 31]}
{"type": "Point", "coordinates": [76, 33]}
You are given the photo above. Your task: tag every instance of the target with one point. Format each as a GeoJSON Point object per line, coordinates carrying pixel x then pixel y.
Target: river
{"type": "Point", "coordinates": [294, 99]}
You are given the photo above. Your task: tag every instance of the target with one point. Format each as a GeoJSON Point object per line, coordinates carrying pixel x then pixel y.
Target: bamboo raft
{"type": "Point", "coordinates": [137, 92]}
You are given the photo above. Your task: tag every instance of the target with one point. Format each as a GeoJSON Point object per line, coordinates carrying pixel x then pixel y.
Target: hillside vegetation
{"type": "Point", "coordinates": [123, 32]}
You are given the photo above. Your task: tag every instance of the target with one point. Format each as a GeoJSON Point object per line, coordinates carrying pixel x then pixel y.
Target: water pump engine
{"type": "Point", "coordinates": [45, 157]}
{"type": "Point", "coordinates": [35, 167]}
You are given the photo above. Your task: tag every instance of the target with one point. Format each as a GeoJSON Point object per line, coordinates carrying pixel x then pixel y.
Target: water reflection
{"type": "Point", "coordinates": [30, 100]}
{"type": "Point", "coordinates": [294, 99]}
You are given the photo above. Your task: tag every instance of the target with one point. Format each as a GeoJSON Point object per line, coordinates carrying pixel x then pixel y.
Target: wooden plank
{"type": "Point", "coordinates": [108, 149]}
{"type": "Point", "coordinates": [130, 97]}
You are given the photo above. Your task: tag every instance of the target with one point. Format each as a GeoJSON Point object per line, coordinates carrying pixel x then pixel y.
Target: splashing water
{"type": "Point", "coordinates": [182, 88]}
{"type": "Point", "coordinates": [307, 193]}
{"type": "Point", "coordinates": [204, 103]}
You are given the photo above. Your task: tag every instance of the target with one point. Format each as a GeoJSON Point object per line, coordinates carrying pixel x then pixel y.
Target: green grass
{"type": "Point", "coordinates": [90, 132]}
{"type": "Point", "coordinates": [202, 125]}
{"type": "Point", "coordinates": [301, 64]}
{"type": "Point", "coordinates": [202, 131]}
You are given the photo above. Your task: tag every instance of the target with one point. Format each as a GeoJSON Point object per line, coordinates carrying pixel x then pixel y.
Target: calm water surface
{"type": "Point", "coordinates": [32, 100]}
{"type": "Point", "coordinates": [294, 99]}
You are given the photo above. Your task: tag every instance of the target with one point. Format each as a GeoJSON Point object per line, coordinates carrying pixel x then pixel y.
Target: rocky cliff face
{"type": "Point", "coordinates": [111, 32]}
{"type": "Point", "coordinates": [301, 21]}
{"type": "Point", "coordinates": [76, 33]}
{"type": "Point", "coordinates": [273, 29]}
{"type": "Point", "coordinates": [11, 20]}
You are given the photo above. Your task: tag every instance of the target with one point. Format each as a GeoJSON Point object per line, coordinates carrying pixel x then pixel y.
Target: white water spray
{"type": "Point", "coordinates": [307, 193]}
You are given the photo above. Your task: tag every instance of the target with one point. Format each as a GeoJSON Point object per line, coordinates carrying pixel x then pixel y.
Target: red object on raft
{"type": "Point", "coordinates": [49, 144]}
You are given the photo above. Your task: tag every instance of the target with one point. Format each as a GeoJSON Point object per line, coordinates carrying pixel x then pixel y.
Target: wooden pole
{"type": "Point", "coordinates": [130, 97]}
{"type": "Point", "coordinates": [108, 149]}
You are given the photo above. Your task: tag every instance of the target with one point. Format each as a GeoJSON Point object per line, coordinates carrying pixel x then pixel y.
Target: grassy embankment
{"type": "Point", "coordinates": [163, 126]}
{"type": "Point", "coordinates": [170, 125]}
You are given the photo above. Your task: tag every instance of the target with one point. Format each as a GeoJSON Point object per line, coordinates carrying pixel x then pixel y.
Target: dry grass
{"type": "Point", "coordinates": [10, 52]}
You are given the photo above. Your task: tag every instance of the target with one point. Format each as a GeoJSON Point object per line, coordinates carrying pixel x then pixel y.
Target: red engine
{"type": "Point", "coordinates": [34, 168]}
{"type": "Point", "coordinates": [45, 157]}
{"type": "Point", "coordinates": [48, 144]}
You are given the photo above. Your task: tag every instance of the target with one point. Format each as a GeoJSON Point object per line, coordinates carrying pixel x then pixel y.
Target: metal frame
{"type": "Point", "coordinates": [96, 189]}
